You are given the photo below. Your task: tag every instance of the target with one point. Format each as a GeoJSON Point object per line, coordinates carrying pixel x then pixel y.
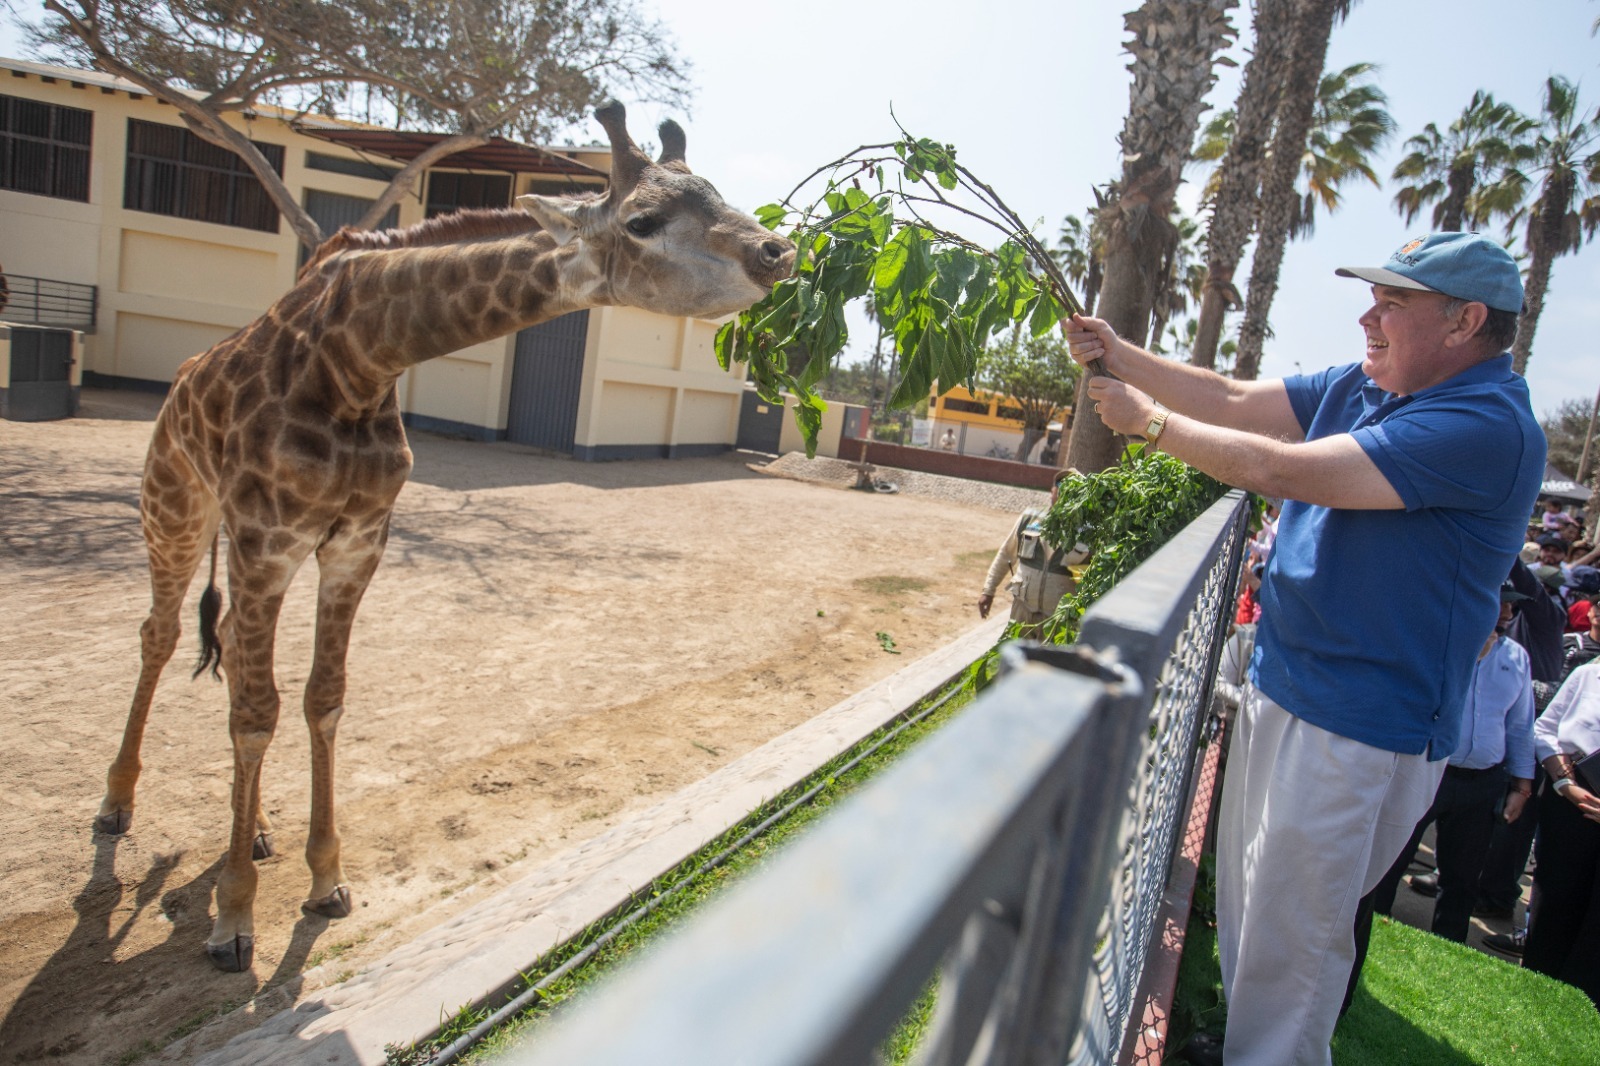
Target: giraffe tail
{"type": "Point", "coordinates": [210, 611]}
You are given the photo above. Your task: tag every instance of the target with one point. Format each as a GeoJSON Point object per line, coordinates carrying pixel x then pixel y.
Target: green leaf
{"type": "Point", "coordinates": [771, 215]}
{"type": "Point", "coordinates": [724, 344]}
{"type": "Point", "coordinates": [1047, 312]}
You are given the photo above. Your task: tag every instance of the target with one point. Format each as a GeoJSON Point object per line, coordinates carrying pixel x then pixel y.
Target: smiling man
{"type": "Point", "coordinates": [1408, 479]}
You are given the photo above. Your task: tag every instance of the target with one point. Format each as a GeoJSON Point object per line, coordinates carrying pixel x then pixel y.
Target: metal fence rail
{"type": "Point", "coordinates": [31, 301]}
{"type": "Point", "coordinates": [1023, 849]}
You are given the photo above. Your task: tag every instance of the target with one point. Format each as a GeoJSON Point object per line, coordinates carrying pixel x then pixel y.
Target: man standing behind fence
{"type": "Point", "coordinates": [1411, 472]}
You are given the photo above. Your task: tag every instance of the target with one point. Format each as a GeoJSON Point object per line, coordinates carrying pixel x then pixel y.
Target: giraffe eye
{"type": "Point", "coordinates": [643, 225]}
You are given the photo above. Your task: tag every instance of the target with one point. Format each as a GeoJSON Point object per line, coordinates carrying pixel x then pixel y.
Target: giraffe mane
{"type": "Point", "coordinates": [456, 227]}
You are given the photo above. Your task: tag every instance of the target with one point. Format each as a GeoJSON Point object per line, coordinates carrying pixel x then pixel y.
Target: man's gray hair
{"type": "Point", "coordinates": [1500, 327]}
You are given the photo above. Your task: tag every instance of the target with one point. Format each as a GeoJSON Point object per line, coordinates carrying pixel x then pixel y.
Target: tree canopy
{"type": "Point", "coordinates": [1037, 374]}
{"type": "Point", "coordinates": [1565, 429]}
{"type": "Point", "coordinates": [469, 68]}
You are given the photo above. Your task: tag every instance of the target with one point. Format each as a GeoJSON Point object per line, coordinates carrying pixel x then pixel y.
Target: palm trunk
{"type": "Point", "coordinates": [1174, 49]}
{"type": "Point", "coordinates": [1278, 196]}
{"type": "Point", "coordinates": [1545, 242]}
{"type": "Point", "coordinates": [1453, 208]}
{"type": "Point", "coordinates": [1239, 181]}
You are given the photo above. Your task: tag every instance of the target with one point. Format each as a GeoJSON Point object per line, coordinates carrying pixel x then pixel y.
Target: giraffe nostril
{"type": "Point", "coordinates": [772, 251]}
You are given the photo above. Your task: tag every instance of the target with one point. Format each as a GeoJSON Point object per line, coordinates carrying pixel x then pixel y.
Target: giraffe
{"type": "Point", "coordinates": [288, 436]}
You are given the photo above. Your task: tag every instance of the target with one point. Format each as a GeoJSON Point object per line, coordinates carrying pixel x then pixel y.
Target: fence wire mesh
{"type": "Point", "coordinates": [1157, 804]}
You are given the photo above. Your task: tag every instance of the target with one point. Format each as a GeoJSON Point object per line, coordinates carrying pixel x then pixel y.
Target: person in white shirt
{"type": "Point", "coordinates": [1564, 938]}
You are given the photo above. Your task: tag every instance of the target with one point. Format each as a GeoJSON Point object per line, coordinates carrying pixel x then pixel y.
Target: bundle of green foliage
{"type": "Point", "coordinates": [1123, 514]}
{"type": "Point", "coordinates": [940, 295]}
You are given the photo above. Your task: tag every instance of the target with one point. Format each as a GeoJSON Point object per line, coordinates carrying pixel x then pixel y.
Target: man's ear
{"type": "Point", "coordinates": [1469, 323]}
{"type": "Point", "coordinates": [561, 218]}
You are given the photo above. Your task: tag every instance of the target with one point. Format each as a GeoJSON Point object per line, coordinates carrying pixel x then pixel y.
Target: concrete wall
{"type": "Point", "coordinates": [652, 387]}
{"type": "Point", "coordinates": [933, 461]}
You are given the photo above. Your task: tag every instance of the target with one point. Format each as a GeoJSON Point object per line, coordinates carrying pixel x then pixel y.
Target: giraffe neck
{"type": "Point", "coordinates": [378, 311]}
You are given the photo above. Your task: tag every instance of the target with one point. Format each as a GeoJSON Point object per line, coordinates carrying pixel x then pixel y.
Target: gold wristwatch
{"type": "Point", "coordinates": [1152, 432]}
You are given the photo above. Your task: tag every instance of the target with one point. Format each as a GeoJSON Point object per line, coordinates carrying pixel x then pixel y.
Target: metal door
{"type": "Point", "coordinates": [545, 381]}
{"type": "Point", "coordinates": [760, 424]}
{"type": "Point", "coordinates": [41, 375]}
{"type": "Point", "coordinates": [332, 210]}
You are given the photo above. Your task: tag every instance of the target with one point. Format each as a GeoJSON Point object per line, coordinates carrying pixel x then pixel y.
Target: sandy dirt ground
{"type": "Point", "coordinates": [548, 646]}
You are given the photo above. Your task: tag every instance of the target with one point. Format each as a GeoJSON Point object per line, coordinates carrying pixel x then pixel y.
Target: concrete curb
{"type": "Point", "coordinates": [475, 956]}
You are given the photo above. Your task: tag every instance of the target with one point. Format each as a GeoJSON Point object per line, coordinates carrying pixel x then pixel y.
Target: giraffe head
{"type": "Point", "coordinates": [661, 237]}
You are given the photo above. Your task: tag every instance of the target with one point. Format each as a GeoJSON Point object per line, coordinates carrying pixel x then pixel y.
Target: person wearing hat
{"type": "Point", "coordinates": [1415, 468]}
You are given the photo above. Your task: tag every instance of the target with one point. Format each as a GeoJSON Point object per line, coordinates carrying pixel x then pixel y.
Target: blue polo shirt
{"type": "Point", "coordinates": [1371, 620]}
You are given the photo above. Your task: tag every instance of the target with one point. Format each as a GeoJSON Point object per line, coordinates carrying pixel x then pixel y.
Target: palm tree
{"type": "Point", "coordinates": [1566, 157]}
{"type": "Point", "coordinates": [1174, 44]}
{"type": "Point", "coordinates": [1281, 204]}
{"type": "Point", "coordinates": [1182, 279]}
{"type": "Point", "coordinates": [1080, 252]}
{"type": "Point", "coordinates": [1349, 123]}
{"type": "Point", "coordinates": [1466, 171]}
{"type": "Point", "coordinates": [1232, 192]}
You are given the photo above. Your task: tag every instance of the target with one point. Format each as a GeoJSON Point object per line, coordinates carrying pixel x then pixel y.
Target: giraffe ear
{"type": "Point", "coordinates": [562, 218]}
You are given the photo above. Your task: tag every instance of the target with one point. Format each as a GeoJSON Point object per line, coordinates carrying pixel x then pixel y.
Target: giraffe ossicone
{"type": "Point", "coordinates": [287, 435]}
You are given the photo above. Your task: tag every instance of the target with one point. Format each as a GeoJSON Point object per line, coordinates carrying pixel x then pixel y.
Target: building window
{"type": "Point", "coordinates": [355, 168]}
{"type": "Point", "coordinates": [173, 172]}
{"type": "Point", "coordinates": [971, 407]}
{"type": "Point", "coordinates": [1016, 414]}
{"type": "Point", "coordinates": [453, 192]}
{"type": "Point", "coordinates": [44, 148]}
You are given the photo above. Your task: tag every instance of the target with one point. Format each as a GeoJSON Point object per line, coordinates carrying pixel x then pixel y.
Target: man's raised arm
{"type": "Point", "coordinates": [1260, 407]}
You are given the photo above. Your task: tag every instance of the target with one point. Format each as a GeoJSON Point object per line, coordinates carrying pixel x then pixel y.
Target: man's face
{"type": "Point", "coordinates": [1406, 332]}
{"type": "Point", "coordinates": [1551, 554]}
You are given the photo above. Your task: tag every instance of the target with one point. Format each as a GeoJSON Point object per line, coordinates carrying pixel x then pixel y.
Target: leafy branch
{"type": "Point", "coordinates": [939, 294]}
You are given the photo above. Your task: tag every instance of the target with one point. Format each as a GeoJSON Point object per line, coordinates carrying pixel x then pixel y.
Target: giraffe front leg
{"type": "Point", "coordinates": [247, 648]}
{"type": "Point", "coordinates": [346, 564]}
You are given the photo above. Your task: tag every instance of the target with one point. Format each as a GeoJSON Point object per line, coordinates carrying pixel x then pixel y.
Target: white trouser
{"type": "Point", "coordinates": [1310, 822]}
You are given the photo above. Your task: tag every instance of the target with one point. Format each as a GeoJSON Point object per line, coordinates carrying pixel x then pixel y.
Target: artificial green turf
{"type": "Point", "coordinates": [1423, 1001]}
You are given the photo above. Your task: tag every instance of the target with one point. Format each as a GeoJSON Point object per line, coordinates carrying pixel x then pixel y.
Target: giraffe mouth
{"type": "Point", "coordinates": [771, 261]}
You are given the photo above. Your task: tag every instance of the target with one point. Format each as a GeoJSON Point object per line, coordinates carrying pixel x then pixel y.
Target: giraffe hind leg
{"type": "Point", "coordinates": [180, 519]}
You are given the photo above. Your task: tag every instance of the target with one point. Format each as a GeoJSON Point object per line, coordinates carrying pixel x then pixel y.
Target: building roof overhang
{"type": "Point", "coordinates": [499, 154]}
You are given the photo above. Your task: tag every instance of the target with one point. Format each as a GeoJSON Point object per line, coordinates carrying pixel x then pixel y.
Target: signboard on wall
{"type": "Point", "coordinates": [921, 432]}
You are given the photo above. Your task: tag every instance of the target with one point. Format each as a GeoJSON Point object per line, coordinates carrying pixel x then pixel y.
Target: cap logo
{"type": "Point", "coordinates": [1410, 247]}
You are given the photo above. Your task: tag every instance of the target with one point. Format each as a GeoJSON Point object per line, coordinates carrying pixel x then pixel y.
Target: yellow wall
{"type": "Point", "coordinates": [654, 380]}
{"type": "Point", "coordinates": [789, 440]}
{"type": "Point", "coordinates": [151, 348]}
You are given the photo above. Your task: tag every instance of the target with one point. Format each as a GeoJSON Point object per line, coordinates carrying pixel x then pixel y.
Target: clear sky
{"type": "Point", "coordinates": [1034, 92]}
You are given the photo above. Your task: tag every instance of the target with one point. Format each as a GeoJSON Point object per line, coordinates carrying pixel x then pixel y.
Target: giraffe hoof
{"type": "Point", "coordinates": [262, 848]}
{"type": "Point", "coordinates": [233, 956]}
{"type": "Point", "coordinates": [114, 824]}
{"type": "Point", "coordinates": [335, 904]}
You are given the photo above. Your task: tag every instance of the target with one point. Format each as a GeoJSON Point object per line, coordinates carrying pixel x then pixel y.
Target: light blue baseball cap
{"type": "Point", "coordinates": [1467, 266]}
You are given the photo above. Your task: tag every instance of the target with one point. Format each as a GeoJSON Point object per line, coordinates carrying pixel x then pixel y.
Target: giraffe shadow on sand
{"type": "Point", "coordinates": [453, 463]}
{"type": "Point", "coordinates": [137, 997]}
